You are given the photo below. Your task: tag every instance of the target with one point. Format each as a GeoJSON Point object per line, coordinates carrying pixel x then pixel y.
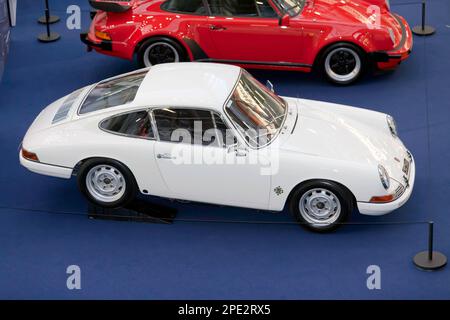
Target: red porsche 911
{"type": "Point", "coordinates": [341, 38]}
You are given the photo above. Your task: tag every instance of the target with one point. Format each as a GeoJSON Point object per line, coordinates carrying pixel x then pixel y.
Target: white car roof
{"type": "Point", "coordinates": [191, 84]}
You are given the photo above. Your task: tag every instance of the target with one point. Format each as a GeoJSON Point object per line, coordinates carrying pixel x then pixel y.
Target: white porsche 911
{"type": "Point", "coordinates": [212, 133]}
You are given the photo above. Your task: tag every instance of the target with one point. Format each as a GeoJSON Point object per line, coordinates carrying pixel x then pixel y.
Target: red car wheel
{"type": "Point", "coordinates": [160, 50]}
{"type": "Point", "coordinates": [343, 63]}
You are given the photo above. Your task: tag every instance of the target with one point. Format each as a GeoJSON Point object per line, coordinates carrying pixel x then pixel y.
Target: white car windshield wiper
{"type": "Point", "coordinates": [276, 118]}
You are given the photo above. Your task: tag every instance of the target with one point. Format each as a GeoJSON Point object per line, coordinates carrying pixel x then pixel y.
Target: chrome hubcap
{"type": "Point", "coordinates": [105, 183]}
{"type": "Point", "coordinates": [342, 64]}
{"type": "Point", "coordinates": [160, 52]}
{"type": "Point", "coordinates": [320, 206]}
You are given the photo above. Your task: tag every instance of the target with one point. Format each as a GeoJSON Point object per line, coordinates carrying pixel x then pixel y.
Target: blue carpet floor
{"type": "Point", "coordinates": [213, 260]}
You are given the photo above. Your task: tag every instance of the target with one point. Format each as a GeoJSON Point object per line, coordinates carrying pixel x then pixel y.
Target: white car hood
{"type": "Point", "coordinates": [346, 133]}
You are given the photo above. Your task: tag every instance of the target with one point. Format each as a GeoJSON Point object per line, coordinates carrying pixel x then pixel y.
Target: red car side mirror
{"type": "Point", "coordinates": [284, 20]}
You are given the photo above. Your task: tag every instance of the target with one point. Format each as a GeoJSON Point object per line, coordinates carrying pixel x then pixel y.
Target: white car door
{"type": "Point", "coordinates": [205, 172]}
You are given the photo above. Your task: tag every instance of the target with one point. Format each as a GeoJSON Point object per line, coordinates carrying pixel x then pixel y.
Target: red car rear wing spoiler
{"type": "Point", "coordinates": [111, 5]}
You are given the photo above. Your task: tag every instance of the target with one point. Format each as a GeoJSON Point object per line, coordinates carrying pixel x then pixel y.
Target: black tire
{"type": "Point", "coordinates": [129, 185]}
{"type": "Point", "coordinates": [343, 196]}
{"type": "Point", "coordinates": [174, 52]}
{"type": "Point", "coordinates": [350, 63]}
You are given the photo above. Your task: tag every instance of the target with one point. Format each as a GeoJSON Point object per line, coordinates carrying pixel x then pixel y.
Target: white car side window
{"type": "Point", "coordinates": [191, 126]}
{"type": "Point", "coordinates": [134, 124]}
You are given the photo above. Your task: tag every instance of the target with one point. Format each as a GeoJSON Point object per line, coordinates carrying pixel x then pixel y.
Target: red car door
{"type": "Point", "coordinates": [248, 31]}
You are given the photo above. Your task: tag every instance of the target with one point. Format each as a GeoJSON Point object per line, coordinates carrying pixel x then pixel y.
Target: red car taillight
{"type": "Point", "coordinates": [102, 35]}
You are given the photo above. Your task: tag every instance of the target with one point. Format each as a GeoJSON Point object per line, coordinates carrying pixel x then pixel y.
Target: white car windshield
{"type": "Point", "coordinates": [256, 112]}
{"type": "Point", "coordinates": [114, 92]}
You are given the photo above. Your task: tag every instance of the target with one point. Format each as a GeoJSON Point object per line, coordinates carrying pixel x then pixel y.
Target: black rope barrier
{"type": "Point", "coordinates": [428, 260]}
{"type": "Point", "coordinates": [79, 213]}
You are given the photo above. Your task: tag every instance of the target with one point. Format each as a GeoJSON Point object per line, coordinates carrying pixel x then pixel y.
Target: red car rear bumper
{"type": "Point", "coordinates": [102, 45]}
{"type": "Point", "coordinates": [111, 48]}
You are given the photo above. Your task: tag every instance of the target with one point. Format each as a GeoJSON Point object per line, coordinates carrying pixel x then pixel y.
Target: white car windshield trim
{"type": "Point", "coordinates": [236, 126]}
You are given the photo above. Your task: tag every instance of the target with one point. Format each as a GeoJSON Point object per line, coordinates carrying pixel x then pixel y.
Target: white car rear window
{"type": "Point", "coordinates": [114, 92]}
{"type": "Point", "coordinates": [63, 111]}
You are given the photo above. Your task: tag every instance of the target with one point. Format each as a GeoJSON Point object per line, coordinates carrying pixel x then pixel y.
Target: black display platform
{"type": "Point", "coordinates": [138, 210]}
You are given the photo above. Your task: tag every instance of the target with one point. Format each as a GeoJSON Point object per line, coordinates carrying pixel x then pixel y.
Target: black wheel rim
{"type": "Point", "coordinates": [342, 62]}
{"type": "Point", "coordinates": [161, 53]}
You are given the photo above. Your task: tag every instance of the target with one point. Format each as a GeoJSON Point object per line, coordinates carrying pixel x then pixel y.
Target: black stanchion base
{"type": "Point", "coordinates": [52, 19]}
{"type": "Point", "coordinates": [422, 262]}
{"type": "Point", "coordinates": [43, 37]}
{"type": "Point", "coordinates": [426, 31]}
{"type": "Point", "coordinates": [138, 210]}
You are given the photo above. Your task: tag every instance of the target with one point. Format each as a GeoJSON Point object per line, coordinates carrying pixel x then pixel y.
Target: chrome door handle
{"type": "Point", "coordinates": [240, 152]}
{"type": "Point", "coordinates": [165, 156]}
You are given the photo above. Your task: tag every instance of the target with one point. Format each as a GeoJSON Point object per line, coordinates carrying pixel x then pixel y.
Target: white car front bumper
{"type": "Point", "coordinates": [378, 209]}
{"type": "Point", "coordinates": [46, 169]}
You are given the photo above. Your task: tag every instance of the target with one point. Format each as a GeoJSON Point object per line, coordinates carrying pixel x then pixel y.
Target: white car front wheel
{"type": "Point", "coordinates": [321, 206]}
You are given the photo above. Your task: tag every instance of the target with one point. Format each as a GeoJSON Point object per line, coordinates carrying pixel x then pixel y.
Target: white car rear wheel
{"type": "Point", "coordinates": [107, 183]}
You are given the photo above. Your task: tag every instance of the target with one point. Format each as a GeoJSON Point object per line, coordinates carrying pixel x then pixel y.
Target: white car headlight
{"type": "Point", "coordinates": [392, 125]}
{"type": "Point", "coordinates": [384, 177]}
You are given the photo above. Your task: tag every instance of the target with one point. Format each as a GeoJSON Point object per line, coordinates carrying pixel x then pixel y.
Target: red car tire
{"type": "Point", "coordinates": [157, 50]}
{"type": "Point", "coordinates": [343, 63]}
